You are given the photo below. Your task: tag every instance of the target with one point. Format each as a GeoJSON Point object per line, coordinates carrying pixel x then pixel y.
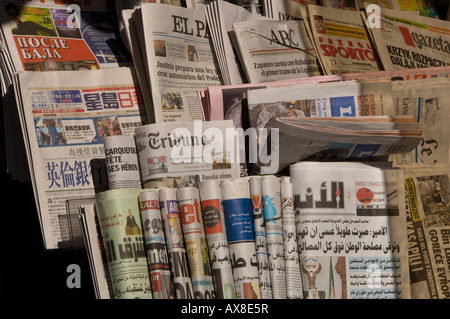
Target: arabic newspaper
{"type": "Point", "coordinates": [428, 229]}
{"type": "Point", "coordinates": [213, 218]}
{"type": "Point", "coordinates": [411, 41]}
{"type": "Point", "coordinates": [174, 154]}
{"type": "Point", "coordinates": [178, 55]}
{"type": "Point", "coordinates": [64, 124]}
{"type": "Point", "coordinates": [275, 50]}
{"type": "Point", "coordinates": [351, 223]}
{"type": "Point", "coordinates": [271, 193]}
{"type": "Point", "coordinates": [122, 233]}
{"type": "Point", "coordinates": [294, 286]}
{"type": "Point", "coordinates": [260, 237]}
{"type": "Point", "coordinates": [237, 208]}
{"type": "Point", "coordinates": [342, 42]}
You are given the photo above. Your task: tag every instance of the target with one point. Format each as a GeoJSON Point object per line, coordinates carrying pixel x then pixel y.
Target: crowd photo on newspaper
{"type": "Point", "coordinates": [241, 149]}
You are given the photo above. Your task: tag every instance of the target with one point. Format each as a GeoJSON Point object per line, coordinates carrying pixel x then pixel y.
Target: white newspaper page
{"type": "Point", "coordinates": [351, 230]}
{"type": "Point", "coordinates": [180, 60]}
{"type": "Point", "coordinates": [276, 50]}
{"type": "Point", "coordinates": [286, 9]}
{"type": "Point", "coordinates": [425, 100]}
{"type": "Point", "coordinates": [65, 117]}
{"type": "Point", "coordinates": [342, 41]}
{"type": "Point", "coordinates": [428, 222]}
{"type": "Point", "coordinates": [411, 41]}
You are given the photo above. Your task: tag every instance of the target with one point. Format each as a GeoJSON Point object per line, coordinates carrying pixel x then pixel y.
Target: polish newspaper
{"type": "Point", "coordinates": [351, 222]}
{"type": "Point", "coordinates": [428, 229]}
{"type": "Point", "coordinates": [64, 126]}
{"type": "Point", "coordinates": [407, 41]}
{"type": "Point", "coordinates": [342, 41]}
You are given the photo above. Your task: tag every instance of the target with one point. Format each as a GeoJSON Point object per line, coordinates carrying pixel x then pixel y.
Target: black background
{"type": "Point", "coordinates": [27, 269]}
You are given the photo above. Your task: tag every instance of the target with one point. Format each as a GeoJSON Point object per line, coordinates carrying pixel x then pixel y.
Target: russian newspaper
{"type": "Point", "coordinates": [178, 57]}
{"type": "Point", "coordinates": [428, 228]}
{"type": "Point", "coordinates": [351, 230]}
{"type": "Point", "coordinates": [411, 41]}
{"type": "Point", "coordinates": [52, 35]}
{"type": "Point", "coordinates": [275, 50]}
{"type": "Point", "coordinates": [342, 42]}
{"type": "Point", "coordinates": [64, 117]}
{"type": "Point", "coordinates": [183, 154]}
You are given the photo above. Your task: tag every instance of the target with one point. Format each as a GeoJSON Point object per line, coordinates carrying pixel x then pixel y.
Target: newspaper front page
{"type": "Point", "coordinates": [65, 116]}
{"type": "Point", "coordinates": [351, 225]}
{"type": "Point", "coordinates": [407, 41]}
{"type": "Point", "coordinates": [180, 60]}
{"type": "Point", "coordinates": [52, 35]}
{"type": "Point", "coordinates": [276, 50]}
{"type": "Point", "coordinates": [428, 228]}
{"type": "Point", "coordinates": [342, 41]}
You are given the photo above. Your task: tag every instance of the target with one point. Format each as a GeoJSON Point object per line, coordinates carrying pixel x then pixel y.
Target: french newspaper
{"type": "Point", "coordinates": [65, 117]}
{"type": "Point", "coordinates": [428, 229]}
{"type": "Point", "coordinates": [406, 41]}
{"type": "Point", "coordinates": [180, 60]}
{"type": "Point", "coordinates": [351, 222]}
{"type": "Point", "coordinates": [276, 50]}
{"type": "Point", "coordinates": [183, 154]}
{"type": "Point", "coordinates": [342, 41]}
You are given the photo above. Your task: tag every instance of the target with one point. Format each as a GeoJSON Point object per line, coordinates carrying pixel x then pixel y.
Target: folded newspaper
{"type": "Point", "coordinates": [342, 42]}
{"type": "Point", "coordinates": [275, 50]}
{"type": "Point", "coordinates": [351, 222]}
{"type": "Point", "coordinates": [65, 118]}
{"type": "Point", "coordinates": [411, 41]}
{"type": "Point", "coordinates": [428, 228]}
{"type": "Point", "coordinates": [287, 110]}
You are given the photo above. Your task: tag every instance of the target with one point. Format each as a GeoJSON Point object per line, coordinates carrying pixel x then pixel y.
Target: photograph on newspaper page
{"type": "Point", "coordinates": [351, 234]}
{"type": "Point", "coordinates": [65, 125]}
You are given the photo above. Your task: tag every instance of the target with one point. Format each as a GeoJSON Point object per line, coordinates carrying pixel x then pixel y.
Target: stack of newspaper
{"type": "Point", "coordinates": [172, 52]}
{"type": "Point", "coordinates": [52, 36]}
